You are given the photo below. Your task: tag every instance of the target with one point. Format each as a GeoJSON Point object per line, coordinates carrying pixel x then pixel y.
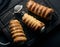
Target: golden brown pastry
{"type": "Point", "coordinates": [17, 31]}
{"type": "Point", "coordinates": [32, 22]}
{"type": "Point", "coordinates": [39, 9]}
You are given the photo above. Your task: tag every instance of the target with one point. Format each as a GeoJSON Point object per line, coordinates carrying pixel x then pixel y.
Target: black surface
{"type": "Point", "coordinates": [43, 40]}
{"type": "Point", "coordinates": [3, 4]}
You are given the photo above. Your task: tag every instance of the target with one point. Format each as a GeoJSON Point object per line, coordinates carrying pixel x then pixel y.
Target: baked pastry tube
{"type": "Point", "coordinates": [32, 22]}
{"type": "Point", "coordinates": [39, 9]}
{"type": "Point", "coordinates": [17, 31]}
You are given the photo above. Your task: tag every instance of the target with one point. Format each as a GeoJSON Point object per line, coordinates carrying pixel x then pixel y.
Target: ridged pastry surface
{"type": "Point", "coordinates": [32, 22]}
{"type": "Point", "coordinates": [39, 9]}
{"type": "Point", "coordinates": [17, 31]}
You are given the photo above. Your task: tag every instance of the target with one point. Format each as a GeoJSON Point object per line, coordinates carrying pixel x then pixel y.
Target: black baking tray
{"type": "Point", "coordinates": [32, 36]}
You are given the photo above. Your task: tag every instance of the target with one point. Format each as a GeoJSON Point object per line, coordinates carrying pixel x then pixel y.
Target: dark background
{"type": "Point", "coordinates": [51, 38]}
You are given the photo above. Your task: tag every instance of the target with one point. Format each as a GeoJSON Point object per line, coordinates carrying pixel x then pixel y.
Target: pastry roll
{"type": "Point", "coordinates": [32, 22]}
{"type": "Point", "coordinates": [17, 31]}
{"type": "Point", "coordinates": [39, 9]}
